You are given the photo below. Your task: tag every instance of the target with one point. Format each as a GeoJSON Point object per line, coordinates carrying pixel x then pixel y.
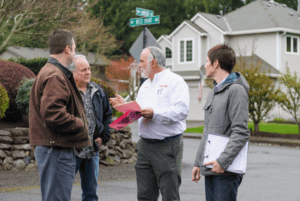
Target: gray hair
{"type": "Point", "coordinates": [72, 66]}
{"type": "Point", "coordinates": [159, 56]}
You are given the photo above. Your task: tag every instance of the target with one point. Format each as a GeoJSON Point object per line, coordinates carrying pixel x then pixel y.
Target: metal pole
{"type": "Point", "coordinates": [142, 80]}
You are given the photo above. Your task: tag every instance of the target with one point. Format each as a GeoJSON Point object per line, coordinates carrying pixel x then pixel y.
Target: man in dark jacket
{"type": "Point", "coordinates": [57, 120]}
{"type": "Point", "coordinates": [226, 113]}
{"type": "Point", "coordinates": [98, 112]}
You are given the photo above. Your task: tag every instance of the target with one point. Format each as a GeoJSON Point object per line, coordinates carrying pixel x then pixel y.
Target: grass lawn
{"type": "Point", "coordinates": [264, 127]}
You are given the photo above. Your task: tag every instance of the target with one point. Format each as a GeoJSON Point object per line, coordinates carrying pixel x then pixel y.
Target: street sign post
{"type": "Point", "coordinates": [146, 38]}
{"type": "Point", "coordinates": [144, 12]}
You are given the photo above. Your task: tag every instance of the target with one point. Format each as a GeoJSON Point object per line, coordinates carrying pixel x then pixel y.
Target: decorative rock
{"type": "Point", "coordinates": [101, 155]}
{"type": "Point", "coordinates": [5, 133]}
{"type": "Point", "coordinates": [120, 155]}
{"type": "Point", "coordinates": [5, 146]}
{"type": "Point", "coordinates": [8, 160]}
{"type": "Point", "coordinates": [8, 153]}
{"type": "Point", "coordinates": [125, 129]}
{"type": "Point", "coordinates": [18, 154]}
{"type": "Point", "coordinates": [1, 161]}
{"type": "Point", "coordinates": [31, 161]}
{"type": "Point", "coordinates": [112, 130]}
{"type": "Point", "coordinates": [19, 164]}
{"type": "Point", "coordinates": [20, 132]}
{"type": "Point", "coordinates": [21, 139]}
{"type": "Point", "coordinates": [129, 147]}
{"type": "Point", "coordinates": [129, 161]}
{"type": "Point", "coordinates": [127, 154]}
{"type": "Point", "coordinates": [2, 154]}
{"type": "Point", "coordinates": [111, 152]}
{"type": "Point", "coordinates": [129, 134]}
{"type": "Point", "coordinates": [109, 161]}
{"type": "Point", "coordinates": [103, 162]}
{"type": "Point", "coordinates": [6, 139]}
{"type": "Point", "coordinates": [27, 160]}
{"type": "Point", "coordinates": [30, 167]}
{"type": "Point", "coordinates": [103, 148]}
{"type": "Point", "coordinates": [7, 166]}
{"type": "Point", "coordinates": [128, 141]}
{"type": "Point", "coordinates": [117, 148]}
{"type": "Point", "coordinates": [134, 145]}
{"type": "Point", "coordinates": [126, 136]}
{"type": "Point", "coordinates": [122, 144]}
{"type": "Point", "coordinates": [31, 154]}
{"type": "Point", "coordinates": [111, 143]}
{"type": "Point", "coordinates": [116, 159]}
{"type": "Point", "coordinates": [22, 147]}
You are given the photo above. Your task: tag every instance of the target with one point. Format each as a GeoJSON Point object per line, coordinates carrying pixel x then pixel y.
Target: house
{"type": "Point", "coordinates": [271, 30]}
{"type": "Point", "coordinates": [98, 63]}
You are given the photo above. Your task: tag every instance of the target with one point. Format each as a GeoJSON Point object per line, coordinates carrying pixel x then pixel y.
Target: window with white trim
{"type": "Point", "coordinates": [186, 50]}
{"type": "Point", "coordinates": [292, 44]}
{"type": "Point", "coordinates": [168, 53]}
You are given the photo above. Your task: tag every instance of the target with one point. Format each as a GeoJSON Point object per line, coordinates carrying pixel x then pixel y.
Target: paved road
{"type": "Point", "coordinates": [272, 174]}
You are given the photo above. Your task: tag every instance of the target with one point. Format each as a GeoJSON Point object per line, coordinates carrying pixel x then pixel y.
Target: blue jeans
{"type": "Point", "coordinates": [57, 172]}
{"type": "Point", "coordinates": [88, 169]}
{"type": "Point", "coordinates": [222, 187]}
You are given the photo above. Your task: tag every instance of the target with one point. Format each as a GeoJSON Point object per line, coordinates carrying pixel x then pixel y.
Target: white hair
{"type": "Point", "coordinates": [72, 66]}
{"type": "Point", "coordinates": [159, 56]}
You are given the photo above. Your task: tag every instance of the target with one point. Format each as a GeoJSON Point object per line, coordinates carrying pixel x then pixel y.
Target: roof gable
{"type": "Point", "coordinates": [164, 37]}
{"type": "Point", "coordinates": [190, 24]}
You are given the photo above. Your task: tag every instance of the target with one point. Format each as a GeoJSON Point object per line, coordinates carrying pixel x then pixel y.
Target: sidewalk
{"type": "Point", "coordinates": [264, 140]}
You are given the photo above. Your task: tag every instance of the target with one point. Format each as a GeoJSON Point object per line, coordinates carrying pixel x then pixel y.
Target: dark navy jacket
{"type": "Point", "coordinates": [103, 113]}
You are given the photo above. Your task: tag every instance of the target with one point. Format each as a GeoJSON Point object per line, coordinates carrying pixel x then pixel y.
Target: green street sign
{"type": "Point", "coordinates": [136, 22]}
{"type": "Point", "coordinates": [147, 21]}
{"type": "Point", "coordinates": [144, 12]}
{"type": "Point", "coordinates": [152, 20]}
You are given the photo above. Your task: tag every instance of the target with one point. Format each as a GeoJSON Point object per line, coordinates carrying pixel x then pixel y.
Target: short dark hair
{"type": "Point", "coordinates": [58, 41]}
{"type": "Point", "coordinates": [224, 54]}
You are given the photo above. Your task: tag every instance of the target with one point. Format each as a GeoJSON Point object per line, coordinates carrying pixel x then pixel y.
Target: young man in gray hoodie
{"type": "Point", "coordinates": [226, 113]}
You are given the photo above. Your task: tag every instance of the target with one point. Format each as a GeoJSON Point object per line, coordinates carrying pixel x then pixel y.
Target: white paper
{"type": "Point", "coordinates": [216, 144]}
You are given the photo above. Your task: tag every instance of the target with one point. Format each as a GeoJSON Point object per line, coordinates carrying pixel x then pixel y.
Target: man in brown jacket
{"type": "Point", "coordinates": [57, 119]}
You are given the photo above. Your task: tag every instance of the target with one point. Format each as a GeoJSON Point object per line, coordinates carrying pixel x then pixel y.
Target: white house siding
{"type": "Point", "coordinates": [265, 46]}
{"type": "Point", "coordinates": [215, 37]}
{"type": "Point", "coordinates": [163, 43]}
{"type": "Point", "coordinates": [204, 50]}
{"type": "Point", "coordinates": [185, 33]}
{"type": "Point", "coordinates": [196, 112]}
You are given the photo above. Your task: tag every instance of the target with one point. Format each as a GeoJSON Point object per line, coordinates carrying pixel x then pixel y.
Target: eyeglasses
{"type": "Point", "coordinates": [151, 52]}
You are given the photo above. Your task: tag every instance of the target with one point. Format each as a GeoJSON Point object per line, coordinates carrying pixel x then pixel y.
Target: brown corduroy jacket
{"type": "Point", "coordinates": [56, 111]}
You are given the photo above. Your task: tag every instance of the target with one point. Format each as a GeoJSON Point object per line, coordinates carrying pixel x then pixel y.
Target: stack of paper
{"type": "Point", "coordinates": [132, 112]}
{"type": "Point", "coordinates": [216, 144]}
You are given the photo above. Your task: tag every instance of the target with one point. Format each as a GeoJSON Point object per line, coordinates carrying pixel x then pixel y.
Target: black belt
{"type": "Point", "coordinates": [153, 141]}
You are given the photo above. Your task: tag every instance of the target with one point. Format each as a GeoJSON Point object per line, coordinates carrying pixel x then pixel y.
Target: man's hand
{"type": "Point", "coordinates": [196, 174]}
{"type": "Point", "coordinates": [116, 101]}
{"type": "Point", "coordinates": [147, 113]}
{"type": "Point", "coordinates": [216, 167]}
{"type": "Point", "coordinates": [99, 141]}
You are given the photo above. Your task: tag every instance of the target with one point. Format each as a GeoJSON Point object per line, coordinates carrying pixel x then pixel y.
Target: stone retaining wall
{"type": "Point", "coordinates": [17, 154]}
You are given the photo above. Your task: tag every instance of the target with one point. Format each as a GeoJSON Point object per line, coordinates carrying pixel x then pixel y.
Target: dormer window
{"type": "Point", "coordinates": [186, 50]}
{"type": "Point", "coordinates": [168, 53]}
{"type": "Point", "coordinates": [292, 44]}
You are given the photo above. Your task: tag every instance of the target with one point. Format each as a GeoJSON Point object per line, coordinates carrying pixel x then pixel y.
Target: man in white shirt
{"type": "Point", "coordinates": [164, 99]}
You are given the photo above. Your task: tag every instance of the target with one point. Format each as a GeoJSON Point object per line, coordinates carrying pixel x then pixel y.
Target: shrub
{"type": "Point", "coordinates": [35, 64]}
{"type": "Point", "coordinates": [279, 119]}
{"type": "Point", "coordinates": [110, 92]}
{"type": "Point", "coordinates": [4, 101]}
{"type": "Point", "coordinates": [11, 75]}
{"type": "Point", "coordinates": [23, 96]}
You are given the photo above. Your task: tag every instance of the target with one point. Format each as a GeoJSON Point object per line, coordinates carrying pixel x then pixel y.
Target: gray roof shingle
{"type": "Point", "coordinates": [259, 14]}
{"type": "Point", "coordinates": [195, 26]}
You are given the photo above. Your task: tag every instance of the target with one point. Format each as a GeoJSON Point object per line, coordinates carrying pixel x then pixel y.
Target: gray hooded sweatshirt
{"type": "Point", "coordinates": [226, 113]}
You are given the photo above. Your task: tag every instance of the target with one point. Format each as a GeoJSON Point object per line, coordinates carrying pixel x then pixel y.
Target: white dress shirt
{"type": "Point", "coordinates": [168, 95]}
